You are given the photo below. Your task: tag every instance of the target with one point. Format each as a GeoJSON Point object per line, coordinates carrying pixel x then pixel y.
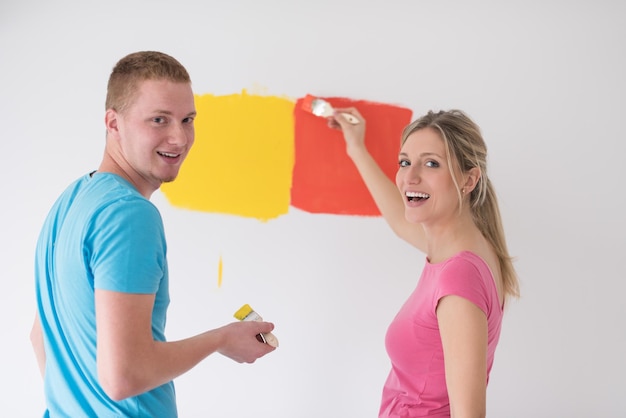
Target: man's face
{"type": "Point", "coordinates": [156, 132]}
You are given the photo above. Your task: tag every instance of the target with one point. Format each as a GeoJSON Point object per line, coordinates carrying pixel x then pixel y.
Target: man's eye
{"type": "Point", "coordinates": [403, 163]}
{"type": "Point", "coordinates": [158, 120]}
{"type": "Point", "coordinates": [188, 120]}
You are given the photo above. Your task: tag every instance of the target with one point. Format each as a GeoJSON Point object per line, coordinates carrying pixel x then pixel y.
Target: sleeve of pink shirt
{"type": "Point", "coordinates": [463, 278]}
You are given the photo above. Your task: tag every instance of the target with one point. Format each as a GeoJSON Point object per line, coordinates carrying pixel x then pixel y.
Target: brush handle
{"type": "Point", "coordinates": [350, 118]}
{"type": "Point", "coordinates": [267, 337]}
{"type": "Point", "coordinates": [271, 339]}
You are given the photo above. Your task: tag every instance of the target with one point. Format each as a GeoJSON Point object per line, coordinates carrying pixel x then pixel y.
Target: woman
{"type": "Point", "coordinates": [442, 341]}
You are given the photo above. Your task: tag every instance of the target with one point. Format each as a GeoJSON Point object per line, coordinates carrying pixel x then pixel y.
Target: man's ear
{"type": "Point", "coordinates": [471, 179]}
{"type": "Point", "coordinates": [111, 122]}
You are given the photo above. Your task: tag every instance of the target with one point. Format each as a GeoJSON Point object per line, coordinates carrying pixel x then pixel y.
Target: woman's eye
{"type": "Point", "coordinates": [432, 164]}
{"type": "Point", "coordinates": [403, 163]}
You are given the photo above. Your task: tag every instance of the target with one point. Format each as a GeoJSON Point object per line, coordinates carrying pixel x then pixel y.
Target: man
{"type": "Point", "coordinates": [101, 268]}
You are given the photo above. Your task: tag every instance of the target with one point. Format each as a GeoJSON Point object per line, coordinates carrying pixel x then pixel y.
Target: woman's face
{"type": "Point", "coordinates": [424, 179]}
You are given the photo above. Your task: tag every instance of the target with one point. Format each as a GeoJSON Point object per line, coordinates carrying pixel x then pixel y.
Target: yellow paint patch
{"type": "Point", "coordinates": [242, 160]}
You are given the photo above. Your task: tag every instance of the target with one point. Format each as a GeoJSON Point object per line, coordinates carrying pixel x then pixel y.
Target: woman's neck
{"type": "Point", "coordinates": [444, 241]}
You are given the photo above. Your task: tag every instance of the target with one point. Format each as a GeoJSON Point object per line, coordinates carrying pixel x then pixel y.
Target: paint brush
{"type": "Point", "coordinates": [246, 313]}
{"type": "Point", "coordinates": [320, 107]}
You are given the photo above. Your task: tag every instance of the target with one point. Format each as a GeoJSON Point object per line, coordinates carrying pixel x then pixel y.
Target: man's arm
{"type": "Point", "coordinates": [36, 339]}
{"type": "Point", "coordinates": [131, 362]}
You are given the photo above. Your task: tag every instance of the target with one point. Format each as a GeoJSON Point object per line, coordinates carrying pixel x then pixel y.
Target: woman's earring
{"type": "Point", "coordinates": [463, 190]}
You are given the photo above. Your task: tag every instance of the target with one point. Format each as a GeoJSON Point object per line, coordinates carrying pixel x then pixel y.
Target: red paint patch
{"type": "Point", "coordinates": [325, 179]}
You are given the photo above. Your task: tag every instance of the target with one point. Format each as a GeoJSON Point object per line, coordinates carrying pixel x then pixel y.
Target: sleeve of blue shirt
{"type": "Point", "coordinates": [128, 251]}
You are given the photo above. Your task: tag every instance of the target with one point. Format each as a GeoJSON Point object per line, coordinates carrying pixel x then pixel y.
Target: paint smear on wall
{"type": "Point", "coordinates": [257, 155]}
{"type": "Point", "coordinates": [242, 160]}
{"type": "Point", "coordinates": [325, 180]}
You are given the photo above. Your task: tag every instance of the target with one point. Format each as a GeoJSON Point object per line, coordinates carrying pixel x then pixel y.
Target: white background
{"type": "Point", "coordinates": [544, 79]}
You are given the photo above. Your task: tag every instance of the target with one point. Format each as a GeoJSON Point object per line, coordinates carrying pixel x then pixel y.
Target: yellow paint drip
{"type": "Point", "coordinates": [242, 159]}
{"type": "Point", "coordinates": [219, 273]}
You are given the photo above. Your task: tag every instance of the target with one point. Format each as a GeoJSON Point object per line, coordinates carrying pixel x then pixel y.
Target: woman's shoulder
{"type": "Point", "coordinates": [485, 262]}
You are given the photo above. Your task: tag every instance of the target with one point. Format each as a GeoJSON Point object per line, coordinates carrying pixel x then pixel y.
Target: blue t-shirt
{"type": "Point", "coordinates": [100, 234]}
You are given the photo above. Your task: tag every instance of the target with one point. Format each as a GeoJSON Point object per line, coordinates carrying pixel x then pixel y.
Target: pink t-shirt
{"type": "Point", "coordinates": [416, 386]}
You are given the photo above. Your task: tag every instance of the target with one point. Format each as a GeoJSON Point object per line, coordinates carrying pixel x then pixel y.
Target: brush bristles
{"type": "Point", "coordinates": [243, 312]}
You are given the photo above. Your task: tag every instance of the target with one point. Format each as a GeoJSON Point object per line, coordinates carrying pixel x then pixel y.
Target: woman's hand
{"type": "Point", "coordinates": [354, 134]}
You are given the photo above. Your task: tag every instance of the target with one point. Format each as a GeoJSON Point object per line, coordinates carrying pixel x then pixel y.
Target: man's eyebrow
{"type": "Point", "coordinates": [169, 113]}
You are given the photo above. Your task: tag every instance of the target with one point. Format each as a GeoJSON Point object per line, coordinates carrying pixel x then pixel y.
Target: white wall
{"type": "Point", "coordinates": [545, 80]}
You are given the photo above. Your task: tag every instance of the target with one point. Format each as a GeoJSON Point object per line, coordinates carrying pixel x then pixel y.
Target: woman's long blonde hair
{"type": "Point", "coordinates": [465, 149]}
